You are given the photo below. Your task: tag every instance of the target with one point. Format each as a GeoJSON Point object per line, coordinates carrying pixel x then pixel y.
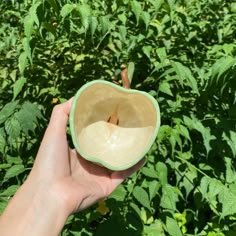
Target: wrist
{"type": "Point", "coordinates": [33, 211]}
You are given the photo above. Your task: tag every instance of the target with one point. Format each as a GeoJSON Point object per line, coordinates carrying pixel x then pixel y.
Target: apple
{"type": "Point", "coordinates": [113, 126]}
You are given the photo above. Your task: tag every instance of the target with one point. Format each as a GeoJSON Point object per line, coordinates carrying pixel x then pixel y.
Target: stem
{"type": "Point", "coordinates": [113, 119]}
{"type": "Point", "coordinates": [194, 167]}
{"type": "Point", "coordinates": [125, 79]}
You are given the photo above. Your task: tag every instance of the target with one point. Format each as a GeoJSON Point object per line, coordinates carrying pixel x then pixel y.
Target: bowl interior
{"type": "Point", "coordinates": [116, 145]}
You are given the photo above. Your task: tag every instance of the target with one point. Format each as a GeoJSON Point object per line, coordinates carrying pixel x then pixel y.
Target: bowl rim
{"type": "Point", "coordinates": [129, 91]}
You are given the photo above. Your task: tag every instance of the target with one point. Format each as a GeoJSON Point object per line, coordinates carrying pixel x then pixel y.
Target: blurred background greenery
{"type": "Point", "coordinates": [182, 53]}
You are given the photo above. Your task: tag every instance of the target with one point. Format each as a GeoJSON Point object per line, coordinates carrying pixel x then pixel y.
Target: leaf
{"type": "Point", "coordinates": [164, 132]}
{"type": "Point", "coordinates": [230, 171]}
{"type": "Point", "coordinates": [150, 172]}
{"type": "Point", "coordinates": [228, 200]}
{"type": "Point", "coordinates": [135, 208]}
{"type": "Point", "coordinates": [28, 26]}
{"type": "Point", "coordinates": [147, 51]}
{"type": "Point", "coordinates": [184, 74]}
{"type": "Point", "coordinates": [155, 229]}
{"type": "Point", "coordinates": [12, 127]}
{"type": "Point", "coordinates": [165, 88]}
{"type": "Point", "coordinates": [187, 181]}
{"type": "Point", "coordinates": [184, 131]}
{"type": "Point", "coordinates": [122, 32]}
{"type": "Point", "coordinates": [131, 68]}
{"type": "Point", "coordinates": [3, 142]}
{"type": "Point", "coordinates": [169, 197]}
{"type": "Point", "coordinates": [171, 4]}
{"type": "Point", "coordinates": [13, 160]}
{"type": "Point", "coordinates": [28, 117]}
{"type": "Point", "coordinates": [3, 204]}
{"type": "Point", "coordinates": [27, 49]}
{"type": "Point", "coordinates": [194, 123]}
{"type": "Point", "coordinates": [161, 52]}
{"type": "Point", "coordinates": [22, 62]}
{"type": "Point", "coordinates": [18, 86]}
{"type": "Point", "coordinates": [8, 110]}
{"type": "Point", "coordinates": [156, 4]}
{"type": "Point", "coordinates": [172, 227]}
{"type": "Point", "coordinates": [105, 23]}
{"type": "Point", "coordinates": [142, 197]}
{"type": "Point", "coordinates": [4, 166]}
{"type": "Point", "coordinates": [122, 17]}
{"type": "Point", "coordinates": [67, 9]}
{"type": "Point", "coordinates": [228, 48]}
{"type": "Point", "coordinates": [215, 187]}
{"type": "Point", "coordinates": [14, 171]}
{"type": "Point", "coordinates": [93, 23]}
{"type": "Point", "coordinates": [175, 139]}
{"type": "Point", "coordinates": [85, 13]}
{"type": "Point", "coordinates": [231, 140]}
{"type": "Point", "coordinates": [137, 10]}
{"type": "Point", "coordinates": [30, 19]}
{"type": "Point", "coordinates": [153, 188]}
{"type": "Point", "coordinates": [162, 173]}
{"type": "Point", "coordinates": [10, 191]}
{"type": "Point", "coordinates": [119, 194]}
{"type": "Point", "coordinates": [221, 66]}
{"type": "Point", "coordinates": [146, 18]}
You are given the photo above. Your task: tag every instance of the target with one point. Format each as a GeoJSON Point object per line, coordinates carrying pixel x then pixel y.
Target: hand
{"type": "Point", "coordinates": [78, 182]}
{"type": "Point", "coordinates": [61, 182]}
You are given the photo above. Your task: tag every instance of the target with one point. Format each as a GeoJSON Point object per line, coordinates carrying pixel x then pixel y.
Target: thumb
{"type": "Point", "coordinates": [59, 118]}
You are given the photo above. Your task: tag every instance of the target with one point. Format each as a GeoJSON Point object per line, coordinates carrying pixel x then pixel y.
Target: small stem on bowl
{"type": "Point", "coordinates": [113, 119]}
{"type": "Point", "coordinates": [125, 79]}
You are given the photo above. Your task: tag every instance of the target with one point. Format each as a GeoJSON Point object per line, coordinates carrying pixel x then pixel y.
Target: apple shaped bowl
{"type": "Point", "coordinates": [113, 126]}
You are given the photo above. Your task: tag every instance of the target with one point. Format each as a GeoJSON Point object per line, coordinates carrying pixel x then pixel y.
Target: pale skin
{"type": "Point", "coordinates": [59, 184]}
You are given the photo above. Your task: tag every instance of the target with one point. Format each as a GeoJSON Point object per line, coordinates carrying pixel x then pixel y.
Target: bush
{"type": "Point", "coordinates": [181, 52]}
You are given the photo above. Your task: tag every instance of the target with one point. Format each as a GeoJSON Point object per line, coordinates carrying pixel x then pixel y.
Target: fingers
{"type": "Point", "coordinates": [119, 176]}
{"type": "Point", "coordinates": [59, 118]}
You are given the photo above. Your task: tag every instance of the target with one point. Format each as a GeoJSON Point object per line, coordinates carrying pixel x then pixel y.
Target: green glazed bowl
{"type": "Point", "coordinates": [113, 126]}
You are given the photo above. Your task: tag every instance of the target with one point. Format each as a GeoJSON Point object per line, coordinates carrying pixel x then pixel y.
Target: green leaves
{"type": "Point", "coordinates": [10, 191]}
{"type": "Point", "coordinates": [169, 198]}
{"type": "Point", "coordinates": [184, 75]}
{"type": "Point", "coordinates": [67, 9]}
{"type": "Point", "coordinates": [180, 52]}
{"type": "Point", "coordinates": [14, 171]}
{"type": "Point", "coordinates": [195, 124]}
{"type": "Point", "coordinates": [18, 86]}
{"type": "Point", "coordinates": [131, 68]}
{"type": "Point", "coordinates": [85, 13]}
{"type": "Point", "coordinates": [162, 173]}
{"type": "Point", "coordinates": [28, 117]}
{"type": "Point", "coordinates": [17, 121]}
{"type": "Point", "coordinates": [213, 190]}
{"type": "Point", "coordinates": [7, 111]}
{"type": "Point", "coordinates": [142, 197]}
{"type": "Point", "coordinates": [137, 9]}
{"type": "Point", "coordinates": [31, 19]}
{"type": "Point", "coordinates": [22, 62]}
{"type": "Point", "coordinates": [172, 227]}
{"type": "Point", "coordinates": [12, 127]}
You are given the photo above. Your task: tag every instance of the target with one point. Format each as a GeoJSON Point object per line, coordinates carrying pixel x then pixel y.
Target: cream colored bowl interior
{"type": "Point", "coordinates": [116, 145]}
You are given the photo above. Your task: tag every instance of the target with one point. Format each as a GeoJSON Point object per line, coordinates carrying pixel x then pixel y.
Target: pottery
{"type": "Point", "coordinates": [113, 126]}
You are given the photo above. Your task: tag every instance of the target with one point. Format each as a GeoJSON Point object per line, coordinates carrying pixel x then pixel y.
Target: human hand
{"type": "Point", "coordinates": [70, 178]}
{"type": "Point", "coordinates": [60, 183]}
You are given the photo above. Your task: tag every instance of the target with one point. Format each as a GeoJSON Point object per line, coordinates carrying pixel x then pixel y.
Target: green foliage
{"type": "Point", "coordinates": [181, 52]}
